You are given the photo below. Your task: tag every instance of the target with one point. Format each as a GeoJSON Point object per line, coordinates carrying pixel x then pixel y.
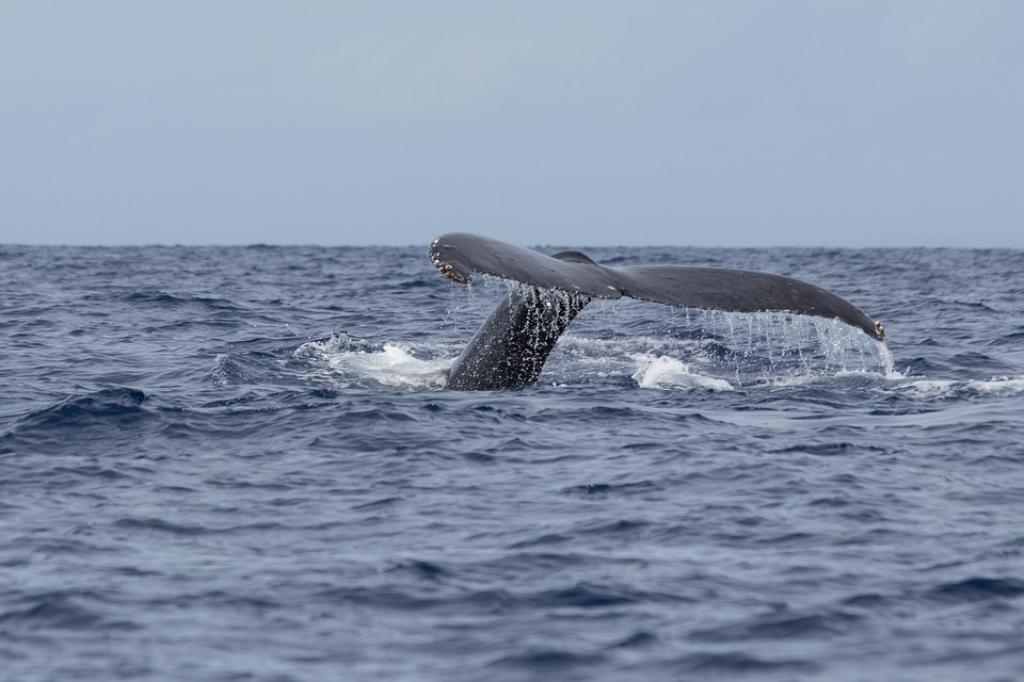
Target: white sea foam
{"type": "Point", "coordinates": [946, 387]}
{"type": "Point", "coordinates": [822, 351]}
{"type": "Point", "coordinates": [393, 365]}
{"type": "Point", "coordinates": [221, 372]}
{"type": "Point", "coordinates": [662, 371]}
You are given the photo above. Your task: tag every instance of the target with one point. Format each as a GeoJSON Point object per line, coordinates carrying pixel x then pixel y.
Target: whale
{"type": "Point", "coordinates": [512, 345]}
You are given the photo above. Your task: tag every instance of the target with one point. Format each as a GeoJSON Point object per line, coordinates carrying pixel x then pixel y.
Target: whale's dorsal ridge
{"type": "Point", "coordinates": [573, 257]}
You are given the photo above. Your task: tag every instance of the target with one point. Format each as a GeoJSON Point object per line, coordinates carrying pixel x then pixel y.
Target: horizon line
{"type": "Point", "coordinates": [551, 245]}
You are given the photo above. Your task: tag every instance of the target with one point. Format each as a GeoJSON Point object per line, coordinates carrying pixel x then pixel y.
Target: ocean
{"type": "Point", "coordinates": [240, 463]}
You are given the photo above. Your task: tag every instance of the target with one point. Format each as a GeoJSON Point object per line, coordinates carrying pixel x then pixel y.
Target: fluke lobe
{"type": "Point", "coordinates": [511, 347]}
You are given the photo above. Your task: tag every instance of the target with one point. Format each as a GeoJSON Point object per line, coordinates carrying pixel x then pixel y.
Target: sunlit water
{"type": "Point", "coordinates": [240, 463]}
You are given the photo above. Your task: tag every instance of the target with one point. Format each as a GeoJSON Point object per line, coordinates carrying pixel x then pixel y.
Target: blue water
{"type": "Point", "coordinates": [239, 464]}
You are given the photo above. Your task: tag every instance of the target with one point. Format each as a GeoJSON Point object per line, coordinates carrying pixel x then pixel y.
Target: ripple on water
{"type": "Point", "coordinates": [238, 463]}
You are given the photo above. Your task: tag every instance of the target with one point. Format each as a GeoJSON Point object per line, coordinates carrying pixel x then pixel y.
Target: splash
{"type": "Point", "coordinates": [773, 347]}
{"type": "Point", "coordinates": [740, 349]}
{"type": "Point", "coordinates": [650, 344]}
{"type": "Point", "coordinates": [393, 365]}
{"type": "Point", "coordinates": [666, 372]}
{"type": "Point", "coordinates": [221, 372]}
{"type": "Point", "coordinates": [888, 362]}
{"type": "Point", "coordinates": [341, 360]}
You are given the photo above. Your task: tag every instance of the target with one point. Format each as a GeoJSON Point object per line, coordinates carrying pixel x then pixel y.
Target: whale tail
{"type": "Point", "coordinates": [510, 348]}
{"type": "Point", "coordinates": [512, 345]}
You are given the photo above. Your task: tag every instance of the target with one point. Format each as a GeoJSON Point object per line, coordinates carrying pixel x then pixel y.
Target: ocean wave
{"type": "Point", "coordinates": [108, 406]}
{"type": "Point", "coordinates": [215, 452]}
{"type": "Point", "coordinates": [784, 626]}
{"type": "Point", "coordinates": [60, 610]}
{"type": "Point", "coordinates": [161, 298]}
{"type": "Point", "coordinates": [165, 526]}
{"type": "Point", "coordinates": [738, 663]}
{"type": "Point", "coordinates": [959, 389]}
{"type": "Point", "coordinates": [979, 588]}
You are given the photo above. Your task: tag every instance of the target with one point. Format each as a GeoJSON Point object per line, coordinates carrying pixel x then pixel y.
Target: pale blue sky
{"type": "Point", "coordinates": [844, 123]}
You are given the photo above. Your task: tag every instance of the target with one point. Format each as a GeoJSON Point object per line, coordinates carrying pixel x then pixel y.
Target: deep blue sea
{"type": "Point", "coordinates": [240, 464]}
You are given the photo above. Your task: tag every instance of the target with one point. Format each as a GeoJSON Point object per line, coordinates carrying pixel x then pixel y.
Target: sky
{"type": "Point", "coordinates": [717, 123]}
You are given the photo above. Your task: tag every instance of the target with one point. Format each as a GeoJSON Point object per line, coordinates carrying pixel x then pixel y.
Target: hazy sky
{"type": "Point", "coordinates": [845, 123]}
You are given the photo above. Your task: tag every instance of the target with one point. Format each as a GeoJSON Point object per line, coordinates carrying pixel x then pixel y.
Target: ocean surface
{"type": "Point", "coordinates": [240, 464]}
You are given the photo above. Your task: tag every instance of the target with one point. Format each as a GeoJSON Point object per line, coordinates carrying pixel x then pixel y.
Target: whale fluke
{"type": "Point", "coordinates": [511, 347]}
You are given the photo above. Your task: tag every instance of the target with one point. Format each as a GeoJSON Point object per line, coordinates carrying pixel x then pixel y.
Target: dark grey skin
{"type": "Point", "coordinates": [511, 347]}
